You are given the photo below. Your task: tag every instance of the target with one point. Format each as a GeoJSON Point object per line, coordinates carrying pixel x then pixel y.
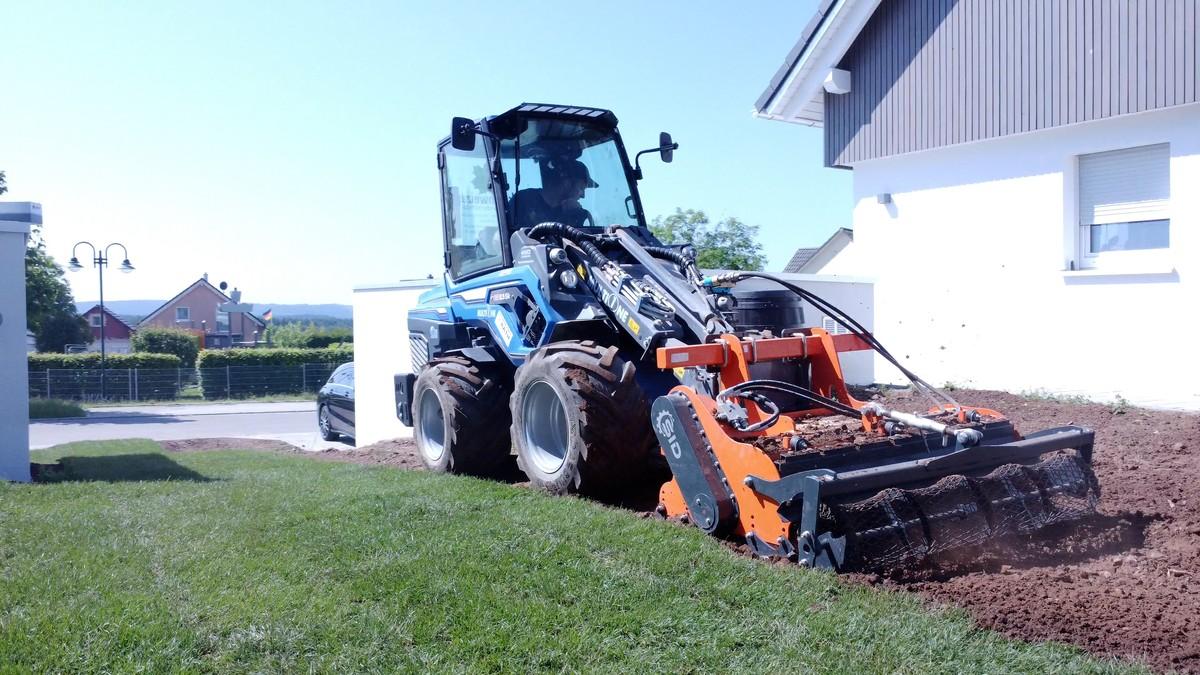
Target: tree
{"type": "Point", "coordinates": [175, 341]}
{"type": "Point", "coordinates": [728, 245]}
{"type": "Point", "coordinates": [58, 330]}
{"type": "Point", "coordinates": [49, 305]}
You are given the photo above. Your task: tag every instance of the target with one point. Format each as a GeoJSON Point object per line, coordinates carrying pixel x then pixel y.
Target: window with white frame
{"type": "Point", "coordinates": [222, 321]}
{"type": "Point", "coordinates": [1124, 202]}
{"type": "Point", "coordinates": [183, 314]}
{"type": "Point", "coordinates": [97, 320]}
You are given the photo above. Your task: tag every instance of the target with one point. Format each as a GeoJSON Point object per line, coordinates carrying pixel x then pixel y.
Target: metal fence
{"type": "Point", "coordinates": [151, 384]}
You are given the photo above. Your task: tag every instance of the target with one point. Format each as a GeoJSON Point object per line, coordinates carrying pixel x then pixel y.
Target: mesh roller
{"type": "Point", "coordinates": [896, 527]}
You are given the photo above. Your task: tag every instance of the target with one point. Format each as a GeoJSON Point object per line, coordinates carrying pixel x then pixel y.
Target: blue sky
{"type": "Point", "coordinates": [288, 148]}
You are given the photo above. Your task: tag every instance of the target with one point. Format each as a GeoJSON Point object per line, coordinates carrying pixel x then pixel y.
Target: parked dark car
{"type": "Point", "coordinates": [335, 404]}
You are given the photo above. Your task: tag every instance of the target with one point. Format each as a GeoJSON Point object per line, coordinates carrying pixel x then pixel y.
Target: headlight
{"type": "Point", "coordinates": [568, 278]}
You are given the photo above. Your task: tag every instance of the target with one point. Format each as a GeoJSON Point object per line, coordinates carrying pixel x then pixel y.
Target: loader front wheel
{"type": "Point", "coordinates": [580, 421]}
{"type": "Point", "coordinates": [461, 418]}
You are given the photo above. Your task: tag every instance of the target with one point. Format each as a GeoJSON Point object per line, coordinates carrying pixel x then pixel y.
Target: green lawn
{"type": "Point", "coordinates": [238, 561]}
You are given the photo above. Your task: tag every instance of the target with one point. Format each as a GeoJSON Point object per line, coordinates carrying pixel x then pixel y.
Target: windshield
{"type": "Point", "coordinates": [569, 172]}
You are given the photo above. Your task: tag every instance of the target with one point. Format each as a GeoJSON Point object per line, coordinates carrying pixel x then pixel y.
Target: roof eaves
{"type": "Point", "coordinates": [794, 56]}
{"type": "Point", "coordinates": [796, 93]}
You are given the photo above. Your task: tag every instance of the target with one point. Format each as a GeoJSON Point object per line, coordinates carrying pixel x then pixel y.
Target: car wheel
{"type": "Point", "coordinates": [325, 424]}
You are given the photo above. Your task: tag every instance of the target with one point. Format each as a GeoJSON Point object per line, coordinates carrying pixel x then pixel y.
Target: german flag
{"type": "Point", "coordinates": [266, 315]}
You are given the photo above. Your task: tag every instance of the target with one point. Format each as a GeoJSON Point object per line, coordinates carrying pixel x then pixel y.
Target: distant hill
{"type": "Point", "coordinates": [123, 308]}
{"type": "Point", "coordinates": [142, 308]}
{"type": "Point", "coordinates": [305, 311]}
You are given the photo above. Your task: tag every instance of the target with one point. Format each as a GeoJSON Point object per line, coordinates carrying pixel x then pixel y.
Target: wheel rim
{"type": "Point", "coordinates": [431, 427]}
{"type": "Point", "coordinates": [547, 434]}
{"type": "Point", "coordinates": [323, 420]}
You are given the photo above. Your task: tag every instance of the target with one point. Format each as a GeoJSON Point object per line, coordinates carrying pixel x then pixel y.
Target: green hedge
{"type": "Point", "coordinates": [239, 373]}
{"type": "Point", "coordinates": [181, 343]}
{"type": "Point", "coordinates": [91, 361]}
{"type": "Point", "coordinates": [219, 358]}
{"type": "Point", "coordinates": [78, 376]}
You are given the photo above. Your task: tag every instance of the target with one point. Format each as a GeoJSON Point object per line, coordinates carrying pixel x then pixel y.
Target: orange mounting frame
{"type": "Point", "coordinates": [733, 356]}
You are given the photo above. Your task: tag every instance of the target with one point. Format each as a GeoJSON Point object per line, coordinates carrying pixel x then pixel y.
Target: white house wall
{"type": "Point", "coordinates": [971, 260]}
{"type": "Point", "coordinates": [380, 351]}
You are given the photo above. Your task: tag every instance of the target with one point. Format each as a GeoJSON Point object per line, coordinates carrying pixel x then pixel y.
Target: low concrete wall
{"type": "Point", "coordinates": [381, 342]}
{"type": "Point", "coordinates": [853, 295]}
{"type": "Point", "coordinates": [381, 351]}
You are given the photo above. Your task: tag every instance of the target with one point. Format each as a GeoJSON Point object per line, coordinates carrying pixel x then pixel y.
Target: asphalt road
{"type": "Point", "coordinates": [294, 423]}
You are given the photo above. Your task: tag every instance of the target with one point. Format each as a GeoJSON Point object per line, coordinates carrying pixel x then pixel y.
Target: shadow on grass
{"type": "Point", "coordinates": [114, 469]}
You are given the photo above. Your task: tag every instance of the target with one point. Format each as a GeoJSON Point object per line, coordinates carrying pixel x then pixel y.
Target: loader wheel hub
{"type": "Point", "coordinates": [431, 426]}
{"type": "Point", "coordinates": [547, 433]}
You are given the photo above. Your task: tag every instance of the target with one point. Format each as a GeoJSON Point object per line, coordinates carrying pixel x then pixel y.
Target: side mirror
{"type": "Point", "coordinates": [462, 134]}
{"type": "Point", "coordinates": [666, 148]}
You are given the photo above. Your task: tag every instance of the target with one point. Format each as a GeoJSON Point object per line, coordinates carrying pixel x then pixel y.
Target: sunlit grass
{"type": "Point", "coordinates": [131, 559]}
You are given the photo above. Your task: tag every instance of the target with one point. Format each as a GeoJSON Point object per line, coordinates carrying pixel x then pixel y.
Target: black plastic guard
{"type": "Point", "coordinates": [690, 457]}
{"type": "Point", "coordinates": [404, 393]}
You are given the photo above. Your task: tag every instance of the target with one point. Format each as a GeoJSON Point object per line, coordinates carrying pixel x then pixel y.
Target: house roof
{"type": "Point", "coordinates": [835, 243]}
{"type": "Point", "coordinates": [202, 283]}
{"type": "Point", "coordinates": [796, 92]}
{"type": "Point", "coordinates": [799, 258]}
{"type": "Point", "coordinates": [107, 311]}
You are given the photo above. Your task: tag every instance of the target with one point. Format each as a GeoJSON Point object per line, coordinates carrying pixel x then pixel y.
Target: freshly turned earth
{"type": "Point", "coordinates": [1125, 583]}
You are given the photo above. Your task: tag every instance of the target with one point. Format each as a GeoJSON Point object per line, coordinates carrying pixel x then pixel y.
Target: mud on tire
{"type": "Point", "coordinates": [580, 421]}
{"type": "Point", "coordinates": [461, 418]}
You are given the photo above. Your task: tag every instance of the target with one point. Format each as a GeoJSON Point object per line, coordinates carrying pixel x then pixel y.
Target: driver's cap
{"type": "Point", "coordinates": [576, 169]}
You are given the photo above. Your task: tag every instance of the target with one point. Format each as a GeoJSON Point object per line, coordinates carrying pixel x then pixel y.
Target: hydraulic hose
{"type": "Point", "coordinates": [686, 263]}
{"type": "Point", "coordinates": [789, 388]}
{"type": "Point", "coordinates": [585, 240]}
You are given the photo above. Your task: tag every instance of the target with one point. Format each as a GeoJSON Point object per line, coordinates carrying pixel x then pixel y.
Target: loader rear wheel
{"type": "Point", "coordinates": [461, 418]}
{"type": "Point", "coordinates": [580, 421]}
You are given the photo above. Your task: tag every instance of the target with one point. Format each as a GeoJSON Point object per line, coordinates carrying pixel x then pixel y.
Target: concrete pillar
{"type": "Point", "coordinates": [15, 219]}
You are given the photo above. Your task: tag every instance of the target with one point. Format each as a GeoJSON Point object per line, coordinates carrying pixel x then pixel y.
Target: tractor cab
{"type": "Point", "coordinates": [534, 164]}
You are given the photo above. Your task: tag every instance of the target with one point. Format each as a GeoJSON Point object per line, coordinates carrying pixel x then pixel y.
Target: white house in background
{"type": "Point", "coordinates": [1026, 183]}
{"type": "Point", "coordinates": [30, 341]}
{"type": "Point", "coordinates": [813, 260]}
{"type": "Point", "coordinates": [381, 349]}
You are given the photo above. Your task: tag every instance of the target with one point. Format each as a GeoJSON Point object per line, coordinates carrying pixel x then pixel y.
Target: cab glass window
{"type": "Point", "coordinates": [473, 236]}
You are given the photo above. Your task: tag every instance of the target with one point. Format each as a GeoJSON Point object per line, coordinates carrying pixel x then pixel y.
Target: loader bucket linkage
{"type": "Point", "coordinates": [892, 489]}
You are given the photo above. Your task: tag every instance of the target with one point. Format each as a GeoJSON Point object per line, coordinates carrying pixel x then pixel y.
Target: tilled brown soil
{"type": "Point", "coordinates": [1125, 583]}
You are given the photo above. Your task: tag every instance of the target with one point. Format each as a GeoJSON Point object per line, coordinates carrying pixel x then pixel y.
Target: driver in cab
{"type": "Point", "coordinates": [557, 201]}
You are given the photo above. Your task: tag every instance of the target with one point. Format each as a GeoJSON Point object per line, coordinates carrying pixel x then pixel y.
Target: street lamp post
{"type": "Point", "coordinates": [100, 261]}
